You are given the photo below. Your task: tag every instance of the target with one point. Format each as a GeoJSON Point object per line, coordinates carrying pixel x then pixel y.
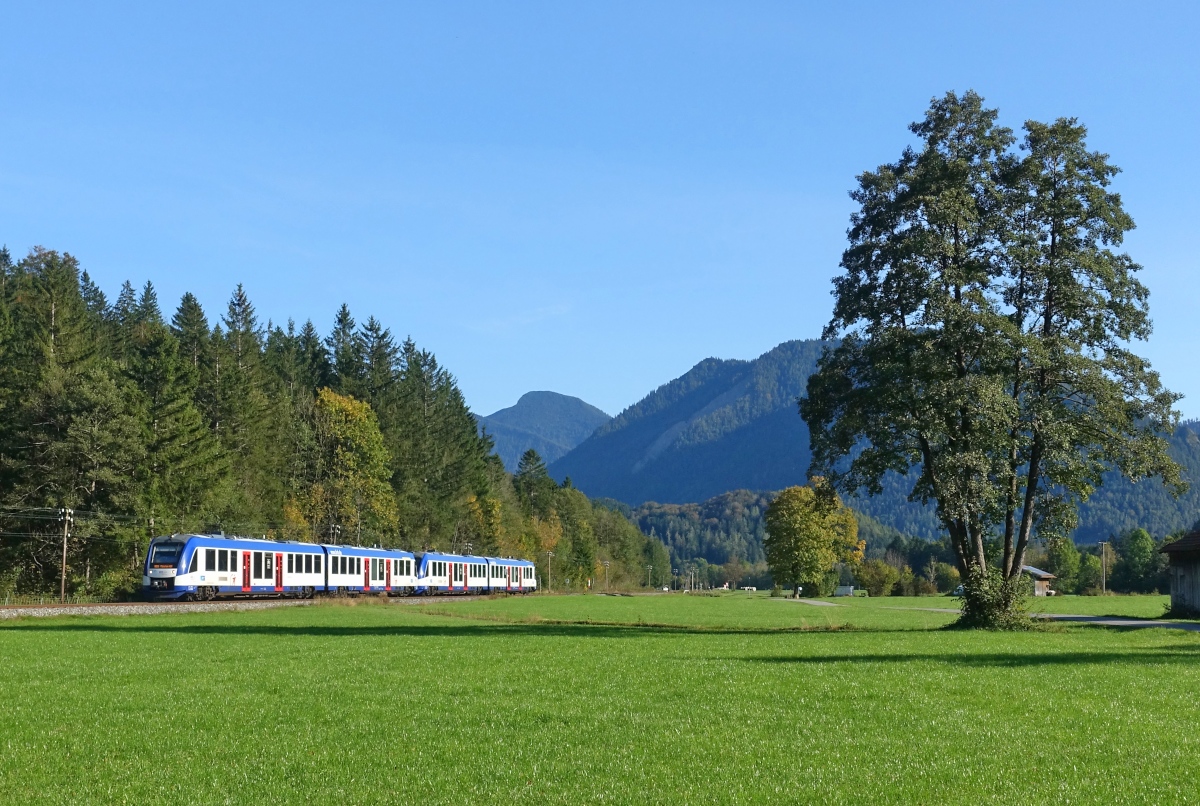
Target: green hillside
{"type": "Point", "coordinates": [729, 425]}
{"type": "Point", "coordinates": [550, 423]}
{"type": "Point", "coordinates": [730, 525]}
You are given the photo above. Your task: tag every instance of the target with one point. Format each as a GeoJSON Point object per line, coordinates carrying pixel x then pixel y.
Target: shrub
{"type": "Point", "coordinates": [923, 587]}
{"type": "Point", "coordinates": [877, 577]}
{"type": "Point", "coordinates": [946, 577]}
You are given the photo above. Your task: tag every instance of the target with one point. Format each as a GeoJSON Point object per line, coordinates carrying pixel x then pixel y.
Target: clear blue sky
{"type": "Point", "coordinates": [581, 197]}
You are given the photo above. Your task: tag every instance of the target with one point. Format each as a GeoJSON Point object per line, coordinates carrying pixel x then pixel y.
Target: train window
{"type": "Point", "coordinates": [358, 565]}
{"type": "Point", "coordinates": [210, 559]}
{"type": "Point", "coordinates": [308, 563]}
{"type": "Point", "coordinates": [269, 565]}
{"type": "Point", "coordinates": [192, 564]}
{"type": "Point", "coordinates": [222, 560]}
{"type": "Point", "coordinates": [291, 564]}
{"type": "Point", "coordinates": [233, 561]}
{"type": "Point", "coordinates": [258, 565]}
{"type": "Point", "coordinates": [316, 563]}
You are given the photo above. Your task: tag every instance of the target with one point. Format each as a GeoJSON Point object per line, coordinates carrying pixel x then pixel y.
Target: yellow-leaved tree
{"type": "Point", "coordinates": [808, 529]}
{"type": "Point", "coordinates": [350, 487]}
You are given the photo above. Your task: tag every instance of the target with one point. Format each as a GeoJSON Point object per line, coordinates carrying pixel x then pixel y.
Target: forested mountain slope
{"type": "Point", "coordinates": [722, 426]}
{"type": "Point", "coordinates": [730, 425]}
{"type": "Point", "coordinates": [730, 525]}
{"type": "Point", "coordinates": [550, 423]}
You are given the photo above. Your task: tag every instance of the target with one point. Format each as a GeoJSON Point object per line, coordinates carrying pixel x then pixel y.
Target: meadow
{"type": "Point", "coordinates": [585, 699]}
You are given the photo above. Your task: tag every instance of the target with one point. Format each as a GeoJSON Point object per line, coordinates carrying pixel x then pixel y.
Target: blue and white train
{"type": "Point", "coordinates": [204, 567]}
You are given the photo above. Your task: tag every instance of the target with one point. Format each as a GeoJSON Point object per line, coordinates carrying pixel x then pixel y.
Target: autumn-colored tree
{"type": "Point", "coordinates": [808, 530]}
{"type": "Point", "coordinates": [351, 488]}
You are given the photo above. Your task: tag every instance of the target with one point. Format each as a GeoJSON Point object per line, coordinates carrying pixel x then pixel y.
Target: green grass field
{"type": "Point", "coordinates": [651, 699]}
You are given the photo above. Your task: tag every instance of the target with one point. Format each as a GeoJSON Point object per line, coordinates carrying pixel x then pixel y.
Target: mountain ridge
{"type": "Point", "coordinates": [548, 422]}
{"type": "Point", "coordinates": [730, 424]}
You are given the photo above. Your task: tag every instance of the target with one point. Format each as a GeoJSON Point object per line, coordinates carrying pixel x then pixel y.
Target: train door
{"type": "Point", "coordinates": [245, 572]}
{"type": "Point", "coordinates": [508, 578]}
{"type": "Point", "coordinates": [366, 573]}
{"type": "Point", "coordinates": [519, 572]}
{"type": "Point", "coordinates": [278, 572]}
{"type": "Point", "coordinates": [387, 571]}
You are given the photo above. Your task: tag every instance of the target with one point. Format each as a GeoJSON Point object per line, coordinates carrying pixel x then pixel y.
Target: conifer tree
{"type": "Point", "coordinates": [314, 358]}
{"type": "Point", "coordinates": [346, 351]}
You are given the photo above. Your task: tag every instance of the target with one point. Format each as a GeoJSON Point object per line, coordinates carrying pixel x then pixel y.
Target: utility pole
{"type": "Point", "coordinates": [1104, 566]}
{"type": "Point", "coordinates": [549, 554]}
{"type": "Point", "coordinates": [605, 564]}
{"type": "Point", "coordinates": [66, 516]}
{"type": "Point", "coordinates": [649, 568]}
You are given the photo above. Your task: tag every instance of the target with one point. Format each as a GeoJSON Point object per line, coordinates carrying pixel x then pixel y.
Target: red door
{"type": "Point", "coordinates": [508, 577]}
{"type": "Point", "coordinates": [278, 572]}
{"type": "Point", "coordinates": [387, 570]}
{"type": "Point", "coordinates": [366, 573]}
{"type": "Point", "coordinates": [245, 572]}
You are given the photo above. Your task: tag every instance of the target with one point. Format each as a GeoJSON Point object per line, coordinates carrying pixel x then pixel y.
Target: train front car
{"type": "Point", "coordinates": [164, 563]}
{"type": "Point", "coordinates": [202, 567]}
{"type": "Point", "coordinates": [354, 571]}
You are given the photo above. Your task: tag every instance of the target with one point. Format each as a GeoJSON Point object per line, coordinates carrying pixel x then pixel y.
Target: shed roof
{"type": "Point", "coordinates": [1038, 573]}
{"type": "Point", "coordinates": [1188, 543]}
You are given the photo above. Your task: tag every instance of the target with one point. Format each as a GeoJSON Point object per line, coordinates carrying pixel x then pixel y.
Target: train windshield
{"type": "Point", "coordinates": [166, 554]}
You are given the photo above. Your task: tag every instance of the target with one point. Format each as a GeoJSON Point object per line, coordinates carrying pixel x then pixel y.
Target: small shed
{"type": "Point", "coordinates": [1184, 557]}
{"type": "Point", "coordinates": [1041, 580]}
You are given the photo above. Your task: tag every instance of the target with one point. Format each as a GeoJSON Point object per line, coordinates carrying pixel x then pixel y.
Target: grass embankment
{"type": "Point", "coordinates": [523, 699]}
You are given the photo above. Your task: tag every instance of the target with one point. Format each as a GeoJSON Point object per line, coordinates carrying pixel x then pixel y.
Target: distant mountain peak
{"type": "Point", "coordinates": [550, 423]}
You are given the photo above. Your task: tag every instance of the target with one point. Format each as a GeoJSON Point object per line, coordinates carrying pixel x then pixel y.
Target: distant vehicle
{"type": "Point", "coordinates": [957, 592]}
{"type": "Point", "coordinates": [205, 567]}
{"type": "Point", "coordinates": [665, 588]}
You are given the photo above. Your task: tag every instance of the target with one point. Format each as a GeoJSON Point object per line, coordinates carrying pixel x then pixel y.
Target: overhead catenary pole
{"type": "Point", "coordinates": [1104, 566]}
{"type": "Point", "coordinates": [66, 521]}
{"type": "Point", "coordinates": [605, 564]}
{"type": "Point", "coordinates": [549, 554]}
{"type": "Point", "coordinates": [649, 568]}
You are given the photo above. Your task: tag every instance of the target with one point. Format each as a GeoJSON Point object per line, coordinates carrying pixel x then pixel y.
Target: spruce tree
{"type": "Point", "coordinates": [314, 358]}
{"type": "Point", "coordinates": [346, 350]}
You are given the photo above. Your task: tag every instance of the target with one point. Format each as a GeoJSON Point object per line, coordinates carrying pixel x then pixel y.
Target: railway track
{"type": "Point", "coordinates": [151, 608]}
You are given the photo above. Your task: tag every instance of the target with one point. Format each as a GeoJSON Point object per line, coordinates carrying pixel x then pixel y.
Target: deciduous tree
{"type": "Point", "coordinates": [807, 532]}
{"type": "Point", "coordinates": [983, 321]}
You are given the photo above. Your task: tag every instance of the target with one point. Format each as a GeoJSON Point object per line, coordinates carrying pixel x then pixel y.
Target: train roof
{"type": "Point", "coordinates": [439, 555]}
{"type": "Point", "coordinates": [293, 545]}
{"type": "Point", "coordinates": [363, 551]}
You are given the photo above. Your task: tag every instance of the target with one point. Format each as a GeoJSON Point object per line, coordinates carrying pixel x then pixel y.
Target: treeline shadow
{"type": "Point", "coordinates": [1174, 654]}
{"type": "Point", "coordinates": [471, 629]}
